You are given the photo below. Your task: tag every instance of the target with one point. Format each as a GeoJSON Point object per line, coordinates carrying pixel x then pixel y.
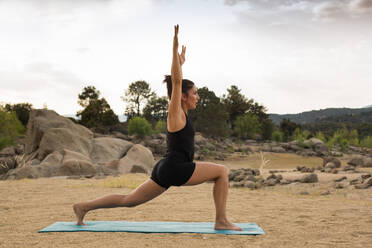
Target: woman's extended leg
{"type": "Point", "coordinates": [206, 171]}
{"type": "Point", "coordinates": [143, 193]}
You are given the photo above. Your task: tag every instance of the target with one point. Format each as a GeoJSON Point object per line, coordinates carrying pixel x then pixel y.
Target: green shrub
{"type": "Point", "coordinates": [140, 127]}
{"type": "Point", "coordinates": [343, 137]}
{"type": "Point", "coordinates": [277, 136]}
{"type": "Point", "coordinates": [320, 135]}
{"type": "Point", "coordinates": [10, 128]}
{"type": "Point", "coordinates": [301, 136]}
{"type": "Point", "coordinates": [160, 127]}
{"type": "Point", "coordinates": [366, 142]}
{"type": "Point", "coordinates": [246, 126]}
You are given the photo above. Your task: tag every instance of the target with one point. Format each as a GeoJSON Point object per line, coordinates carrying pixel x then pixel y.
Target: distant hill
{"type": "Point", "coordinates": [359, 115]}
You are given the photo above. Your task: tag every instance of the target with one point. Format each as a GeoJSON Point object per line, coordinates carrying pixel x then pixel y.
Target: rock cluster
{"type": "Point", "coordinates": [251, 178]}
{"type": "Point", "coordinates": [56, 146]}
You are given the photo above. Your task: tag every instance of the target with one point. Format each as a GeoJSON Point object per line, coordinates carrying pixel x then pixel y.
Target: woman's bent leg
{"type": "Point", "coordinates": [206, 171]}
{"type": "Point", "coordinates": [143, 193]}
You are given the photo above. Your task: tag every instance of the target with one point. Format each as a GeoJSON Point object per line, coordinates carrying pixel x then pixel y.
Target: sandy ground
{"type": "Point", "coordinates": [289, 218]}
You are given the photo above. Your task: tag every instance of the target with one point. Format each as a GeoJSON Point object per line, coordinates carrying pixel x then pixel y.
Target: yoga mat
{"type": "Point", "coordinates": [151, 227]}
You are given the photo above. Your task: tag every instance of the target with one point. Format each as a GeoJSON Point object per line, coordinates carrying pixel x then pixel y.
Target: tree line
{"type": "Point", "coordinates": [233, 114]}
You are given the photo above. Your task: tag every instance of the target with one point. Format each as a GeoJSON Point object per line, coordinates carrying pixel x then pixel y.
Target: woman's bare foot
{"type": "Point", "coordinates": [226, 225]}
{"type": "Point", "coordinates": [80, 213]}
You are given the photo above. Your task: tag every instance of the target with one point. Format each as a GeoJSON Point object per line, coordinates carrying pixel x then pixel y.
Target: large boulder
{"type": "Point", "coordinates": [138, 159]}
{"type": "Point", "coordinates": [75, 163]}
{"type": "Point", "coordinates": [47, 132]}
{"type": "Point", "coordinates": [57, 139]}
{"type": "Point", "coordinates": [106, 149]}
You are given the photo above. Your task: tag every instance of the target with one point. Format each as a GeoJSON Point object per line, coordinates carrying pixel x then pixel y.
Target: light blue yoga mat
{"type": "Point", "coordinates": [151, 227]}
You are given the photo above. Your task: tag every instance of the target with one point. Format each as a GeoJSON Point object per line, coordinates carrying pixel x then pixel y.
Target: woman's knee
{"type": "Point", "coordinates": [224, 170]}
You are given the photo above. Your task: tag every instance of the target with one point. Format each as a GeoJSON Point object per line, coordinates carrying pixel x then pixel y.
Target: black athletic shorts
{"type": "Point", "coordinates": [173, 170]}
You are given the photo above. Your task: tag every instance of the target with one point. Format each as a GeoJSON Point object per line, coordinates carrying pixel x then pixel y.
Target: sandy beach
{"type": "Point", "coordinates": [290, 217]}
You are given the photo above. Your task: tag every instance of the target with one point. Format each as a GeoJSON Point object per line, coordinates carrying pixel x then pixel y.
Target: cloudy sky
{"type": "Point", "coordinates": [288, 55]}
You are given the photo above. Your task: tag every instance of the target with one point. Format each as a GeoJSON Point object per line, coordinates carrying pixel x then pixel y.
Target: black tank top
{"type": "Point", "coordinates": [182, 141]}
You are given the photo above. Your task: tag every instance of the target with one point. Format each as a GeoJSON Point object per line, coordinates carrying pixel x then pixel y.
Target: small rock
{"type": "Point", "coordinates": [270, 182]}
{"type": "Point", "coordinates": [356, 181]}
{"type": "Point", "coordinates": [349, 168]}
{"type": "Point", "coordinates": [362, 186]}
{"type": "Point", "coordinates": [338, 186]}
{"type": "Point", "coordinates": [309, 178]}
{"type": "Point", "coordinates": [250, 184]}
{"type": "Point", "coordinates": [330, 165]}
{"type": "Point", "coordinates": [304, 193]}
{"type": "Point", "coordinates": [285, 181]}
{"type": "Point", "coordinates": [272, 176]}
{"type": "Point", "coordinates": [340, 179]}
{"type": "Point", "coordinates": [99, 177]}
{"type": "Point", "coordinates": [365, 176]}
{"type": "Point", "coordinates": [326, 192]}
{"type": "Point", "coordinates": [334, 171]}
{"type": "Point", "coordinates": [368, 181]}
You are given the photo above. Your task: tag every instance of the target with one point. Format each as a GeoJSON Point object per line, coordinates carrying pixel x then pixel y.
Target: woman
{"type": "Point", "coordinates": [176, 168]}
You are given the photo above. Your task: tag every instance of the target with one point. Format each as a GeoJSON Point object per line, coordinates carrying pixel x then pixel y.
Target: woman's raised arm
{"type": "Point", "coordinates": [175, 108]}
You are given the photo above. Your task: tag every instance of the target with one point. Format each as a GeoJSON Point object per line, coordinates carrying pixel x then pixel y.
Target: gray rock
{"type": "Point", "coordinates": [349, 168]}
{"type": "Point", "coordinates": [106, 149]}
{"type": "Point", "coordinates": [336, 162]}
{"type": "Point", "coordinates": [250, 178]}
{"type": "Point", "coordinates": [278, 149]}
{"type": "Point", "coordinates": [285, 181]}
{"type": "Point", "coordinates": [340, 179]}
{"type": "Point", "coordinates": [368, 181]}
{"type": "Point", "coordinates": [356, 160]}
{"type": "Point", "coordinates": [339, 186]}
{"type": "Point", "coordinates": [250, 185]}
{"type": "Point", "coordinates": [326, 192]}
{"type": "Point", "coordinates": [137, 155]}
{"type": "Point", "coordinates": [365, 176]}
{"type": "Point", "coordinates": [271, 182]}
{"type": "Point", "coordinates": [330, 165]}
{"type": "Point", "coordinates": [309, 178]}
{"type": "Point", "coordinates": [237, 184]}
{"type": "Point", "coordinates": [362, 186]}
{"type": "Point", "coordinates": [321, 149]}
{"type": "Point", "coordinates": [356, 181]}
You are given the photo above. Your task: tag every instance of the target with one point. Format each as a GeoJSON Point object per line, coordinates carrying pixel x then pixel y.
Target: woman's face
{"type": "Point", "coordinates": [192, 98]}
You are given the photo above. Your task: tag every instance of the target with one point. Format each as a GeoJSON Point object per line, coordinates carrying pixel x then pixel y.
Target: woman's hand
{"type": "Point", "coordinates": [181, 56]}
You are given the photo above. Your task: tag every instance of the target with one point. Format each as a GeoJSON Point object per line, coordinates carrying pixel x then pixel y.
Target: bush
{"type": "Point", "coordinates": [344, 138]}
{"type": "Point", "coordinates": [246, 126]}
{"type": "Point", "coordinates": [140, 127]}
{"type": "Point", "coordinates": [320, 135]}
{"type": "Point", "coordinates": [366, 142]}
{"type": "Point", "coordinates": [267, 129]}
{"type": "Point", "coordinates": [277, 136]}
{"type": "Point", "coordinates": [160, 127]}
{"type": "Point", "coordinates": [10, 128]}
